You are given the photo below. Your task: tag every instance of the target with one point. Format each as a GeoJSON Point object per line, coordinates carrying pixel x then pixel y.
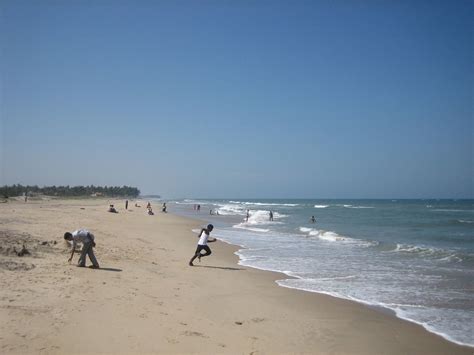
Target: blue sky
{"type": "Point", "coordinates": [322, 99]}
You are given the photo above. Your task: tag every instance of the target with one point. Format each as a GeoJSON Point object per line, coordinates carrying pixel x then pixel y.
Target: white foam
{"type": "Point", "coordinates": [356, 207]}
{"type": "Point", "coordinates": [349, 206]}
{"type": "Point", "coordinates": [231, 210]}
{"type": "Point", "coordinates": [253, 229]}
{"type": "Point", "coordinates": [329, 236]}
{"type": "Point", "coordinates": [451, 210]}
{"type": "Point", "coordinates": [238, 210]}
{"type": "Point", "coordinates": [321, 206]}
{"type": "Point", "coordinates": [406, 248]}
{"type": "Point", "coordinates": [260, 217]}
{"type": "Point", "coordinates": [265, 204]}
{"type": "Point", "coordinates": [323, 235]}
{"type": "Point", "coordinates": [189, 202]}
{"type": "Point", "coordinates": [429, 252]}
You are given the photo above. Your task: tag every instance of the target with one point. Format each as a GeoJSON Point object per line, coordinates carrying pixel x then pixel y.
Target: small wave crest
{"type": "Point", "coordinates": [264, 204]}
{"type": "Point", "coordinates": [432, 253]}
{"type": "Point", "coordinates": [450, 210]}
{"type": "Point", "coordinates": [330, 236]}
{"type": "Point", "coordinates": [260, 218]}
{"type": "Point", "coordinates": [355, 207]}
{"type": "Point", "coordinates": [321, 206]}
{"type": "Point", "coordinates": [253, 229]}
{"type": "Point", "coordinates": [231, 210]}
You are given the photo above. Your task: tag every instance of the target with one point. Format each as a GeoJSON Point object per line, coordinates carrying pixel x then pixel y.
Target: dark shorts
{"type": "Point", "coordinates": [202, 247]}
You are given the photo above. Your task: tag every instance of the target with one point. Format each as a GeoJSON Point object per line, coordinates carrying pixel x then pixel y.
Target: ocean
{"type": "Point", "coordinates": [414, 257]}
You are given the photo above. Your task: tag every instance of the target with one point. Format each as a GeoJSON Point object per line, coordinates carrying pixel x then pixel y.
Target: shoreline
{"type": "Point", "coordinates": [146, 299]}
{"type": "Point", "coordinates": [379, 308]}
{"type": "Point", "coordinates": [288, 275]}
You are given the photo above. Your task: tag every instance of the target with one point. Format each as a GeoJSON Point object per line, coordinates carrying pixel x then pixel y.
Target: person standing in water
{"type": "Point", "coordinates": [202, 244]}
{"type": "Point", "coordinates": [271, 216]}
{"type": "Point", "coordinates": [313, 220]}
{"type": "Point", "coordinates": [248, 216]}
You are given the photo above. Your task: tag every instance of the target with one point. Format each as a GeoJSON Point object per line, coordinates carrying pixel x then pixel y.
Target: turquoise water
{"type": "Point", "coordinates": [415, 257]}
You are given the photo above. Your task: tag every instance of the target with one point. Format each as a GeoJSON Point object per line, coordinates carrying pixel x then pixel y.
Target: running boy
{"type": "Point", "coordinates": [202, 244]}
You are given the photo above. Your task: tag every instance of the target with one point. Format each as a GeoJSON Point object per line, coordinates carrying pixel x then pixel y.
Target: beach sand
{"type": "Point", "coordinates": [146, 299]}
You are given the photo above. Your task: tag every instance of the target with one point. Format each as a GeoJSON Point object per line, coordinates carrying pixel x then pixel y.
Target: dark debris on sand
{"type": "Point", "coordinates": [14, 245]}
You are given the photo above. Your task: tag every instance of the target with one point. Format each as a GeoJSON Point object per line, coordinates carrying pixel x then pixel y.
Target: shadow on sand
{"type": "Point", "coordinates": [220, 267]}
{"type": "Point", "coordinates": [109, 269]}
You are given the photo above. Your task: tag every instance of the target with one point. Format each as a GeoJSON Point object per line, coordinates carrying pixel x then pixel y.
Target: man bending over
{"type": "Point", "coordinates": [87, 239]}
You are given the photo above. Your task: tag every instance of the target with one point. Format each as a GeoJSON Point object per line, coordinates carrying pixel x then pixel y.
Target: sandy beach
{"type": "Point", "coordinates": [146, 299]}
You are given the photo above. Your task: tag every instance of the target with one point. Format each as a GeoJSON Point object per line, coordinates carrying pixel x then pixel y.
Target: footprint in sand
{"type": "Point", "coordinates": [194, 334]}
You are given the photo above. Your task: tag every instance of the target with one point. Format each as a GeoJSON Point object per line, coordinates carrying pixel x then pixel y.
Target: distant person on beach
{"type": "Point", "coordinates": [271, 216]}
{"type": "Point", "coordinates": [198, 207]}
{"type": "Point", "coordinates": [313, 220]}
{"type": "Point", "coordinates": [163, 209]}
{"type": "Point", "coordinates": [112, 209]}
{"type": "Point", "coordinates": [26, 196]}
{"type": "Point", "coordinates": [126, 204]}
{"type": "Point", "coordinates": [87, 239]}
{"type": "Point", "coordinates": [149, 210]}
{"type": "Point", "coordinates": [202, 244]}
{"type": "Point", "coordinates": [247, 216]}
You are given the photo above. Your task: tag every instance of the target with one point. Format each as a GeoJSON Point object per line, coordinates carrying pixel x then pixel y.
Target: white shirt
{"type": "Point", "coordinates": [81, 236]}
{"type": "Point", "coordinates": [203, 238]}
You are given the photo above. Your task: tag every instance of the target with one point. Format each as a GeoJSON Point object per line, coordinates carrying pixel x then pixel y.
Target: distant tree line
{"type": "Point", "coordinates": [91, 190]}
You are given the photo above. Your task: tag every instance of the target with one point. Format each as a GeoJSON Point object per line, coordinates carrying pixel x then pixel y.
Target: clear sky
{"type": "Point", "coordinates": [244, 98]}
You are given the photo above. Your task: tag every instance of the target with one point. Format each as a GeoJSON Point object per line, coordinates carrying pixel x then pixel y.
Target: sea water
{"type": "Point", "coordinates": [415, 257]}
